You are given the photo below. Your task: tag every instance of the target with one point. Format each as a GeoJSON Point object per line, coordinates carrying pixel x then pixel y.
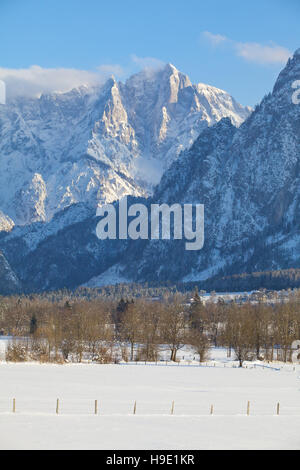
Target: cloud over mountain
{"type": "Point", "coordinates": [36, 80]}
{"type": "Point", "coordinates": [263, 54]}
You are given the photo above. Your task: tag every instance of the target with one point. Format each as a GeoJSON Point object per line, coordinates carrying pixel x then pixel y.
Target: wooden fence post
{"type": "Point", "coordinates": [172, 408]}
{"type": "Point", "coordinates": [212, 409]}
{"type": "Point", "coordinates": [14, 405]}
{"type": "Point", "coordinates": [248, 408]}
{"type": "Point", "coordinates": [57, 406]}
{"type": "Point", "coordinates": [134, 408]}
{"type": "Point", "coordinates": [96, 407]}
{"type": "Point", "coordinates": [278, 409]}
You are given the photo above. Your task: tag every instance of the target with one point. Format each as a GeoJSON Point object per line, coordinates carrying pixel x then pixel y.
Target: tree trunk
{"type": "Point", "coordinates": [173, 355]}
{"type": "Point", "coordinates": [131, 351]}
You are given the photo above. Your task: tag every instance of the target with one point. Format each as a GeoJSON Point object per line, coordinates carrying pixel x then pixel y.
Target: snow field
{"type": "Point", "coordinates": [193, 389]}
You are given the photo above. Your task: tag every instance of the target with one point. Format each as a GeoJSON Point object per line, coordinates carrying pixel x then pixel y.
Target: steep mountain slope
{"type": "Point", "coordinates": [64, 252]}
{"type": "Point", "coordinates": [249, 180]}
{"type": "Point", "coordinates": [95, 145]}
{"type": "Point", "coordinates": [9, 283]}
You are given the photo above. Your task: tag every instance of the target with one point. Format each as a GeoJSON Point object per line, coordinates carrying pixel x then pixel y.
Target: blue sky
{"type": "Point", "coordinates": [235, 45]}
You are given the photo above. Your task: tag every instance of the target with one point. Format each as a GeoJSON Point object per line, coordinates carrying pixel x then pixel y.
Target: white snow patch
{"type": "Point", "coordinates": [112, 276]}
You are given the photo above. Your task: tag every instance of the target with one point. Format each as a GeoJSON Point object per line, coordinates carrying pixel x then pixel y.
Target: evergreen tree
{"type": "Point", "coordinates": [33, 325]}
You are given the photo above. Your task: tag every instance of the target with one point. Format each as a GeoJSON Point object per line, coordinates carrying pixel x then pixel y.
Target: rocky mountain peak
{"type": "Point", "coordinates": [97, 144]}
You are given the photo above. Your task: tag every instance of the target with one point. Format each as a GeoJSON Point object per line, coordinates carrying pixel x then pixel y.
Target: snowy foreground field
{"type": "Point", "coordinates": [194, 389]}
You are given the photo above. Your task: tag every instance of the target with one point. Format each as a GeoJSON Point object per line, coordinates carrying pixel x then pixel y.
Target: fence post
{"type": "Point", "coordinates": [96, 407]}
{"type": "Point", "coordinates": [278, 409]}
{"type": "Point", "coordinates": [57, 406]}
{"type": "Point", "coordinates": [248, 408]}
{"type": "Point", "coordinates": [134, 408]}
{"type": "Point", "coordinates": [14, 405]}
{"type": "Point", "coordinates": [212, 409]}
{"type": "Point", "coordinates": [172, 408]}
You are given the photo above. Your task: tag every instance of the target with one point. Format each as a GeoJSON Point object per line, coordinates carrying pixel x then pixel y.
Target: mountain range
{"type": "Point", "coordinates": [246, 175]}
{"type": "Point", "coordinates": [97, 144]}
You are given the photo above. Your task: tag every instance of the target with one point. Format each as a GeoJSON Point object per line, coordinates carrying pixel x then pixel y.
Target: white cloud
{"type": "Point", "coordinates": [214, 39]}
{"type": "Point", "coordinates": [35, 80]}
{"type": "Point", "coordinates": [261, 54]}
{"type": "Point", "coordinates": [147, 62]}
{"type": "Point", "coordinates": [251, 51]}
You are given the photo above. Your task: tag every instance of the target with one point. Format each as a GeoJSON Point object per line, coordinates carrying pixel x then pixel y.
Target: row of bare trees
{"type": "Point", "coordinates": [105, 331]}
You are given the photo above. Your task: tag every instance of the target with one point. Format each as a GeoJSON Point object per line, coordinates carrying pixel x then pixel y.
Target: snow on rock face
{"type": "Point", "coordinates": [9, 283]}
{"type": "Point", "coordinates": [30, 201]}
{"type": "Point", "coordinates": [111, 276]}
{"type": "Point", "coordinates": [168, 112]}
{"type": "Point", "coordinates": [6, 224]}
{"type": "Point", "coordinates": [95, 145]}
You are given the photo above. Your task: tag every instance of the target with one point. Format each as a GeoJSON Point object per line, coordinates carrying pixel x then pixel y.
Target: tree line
{"type": "Point", "coordinates": [140, 329]}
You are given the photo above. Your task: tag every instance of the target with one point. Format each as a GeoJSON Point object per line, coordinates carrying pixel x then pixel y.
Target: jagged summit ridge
{"type": "Point", "coordinates": [97, 144]}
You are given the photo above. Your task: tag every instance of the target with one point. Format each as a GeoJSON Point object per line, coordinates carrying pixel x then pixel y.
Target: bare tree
{"type": "Point", "coordinates": [200, 342]}
{"type": "Point", "coordinates": [174, 327]}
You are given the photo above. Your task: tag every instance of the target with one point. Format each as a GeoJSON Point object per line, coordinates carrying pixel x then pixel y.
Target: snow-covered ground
{"type": "Point", "coordinates": [193, 388]}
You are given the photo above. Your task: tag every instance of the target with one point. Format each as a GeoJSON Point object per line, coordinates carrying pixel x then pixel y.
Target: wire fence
{"type": "Point", "coordinates": [231, 364]}
{"type": "Point", "coordinates": [71, 407]}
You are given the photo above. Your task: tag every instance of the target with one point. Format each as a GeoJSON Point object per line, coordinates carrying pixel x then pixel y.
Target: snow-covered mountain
{"type": "Point", "coordinates": [95, 145]}
{"type": "Point", "coordinates": [249, 181]}
{"type": "Point", "coordinates": [247, 177]}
